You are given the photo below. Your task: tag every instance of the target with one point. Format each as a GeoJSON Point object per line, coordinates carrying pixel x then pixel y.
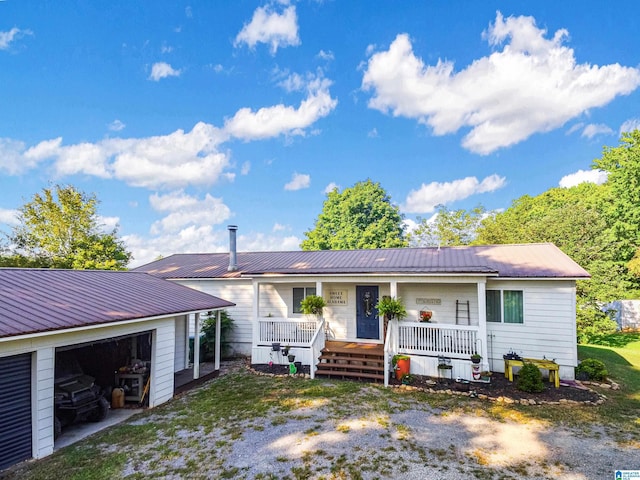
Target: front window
{"type": "Point", "coordinates": [299, 294]}
{"type": "Point", "coordinates": [505, 306]}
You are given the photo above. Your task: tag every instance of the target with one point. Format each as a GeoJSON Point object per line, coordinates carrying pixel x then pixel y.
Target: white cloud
{"type": "Point", "coordinates": [594, 129]}
{"type": "Point", "coordinates": [328, 56]}
{"type": "Point", "coordinates": [278, 227]}
{"type": "Point", "coordinates": [188, 11]}
{"type": "Point", "coordinates": [583, 176]}
{"type": "Point", "coordinates": [185, 211]}
{"type": "Point", "coordinates": [575, 128]}
{"type": "Point", "coordinates": [534, 84]}
{"type": "Point", "coordinates": [373, 133]}
{"type": "Point", "coordinates": [245, 169]}
{"type": "Point", "coordinates": [331, 187]}
{"type": "Point", "coordinates": [630, 125]}
{"type": "Point", "coordinates": [107, 224]}
{"type": "Point", "coordinates": [166, 49]}
{"type": "Point", "coordinates": [266, 26]}
{"type": "Point", "coordinates": [166, 161]}
{"type": "Point", "coordinates": [280, 119]}
{"type": "Point", "coordinates": [162, 70]}
{"type": "Point", "coordinates": [298, 182]}
{"type": "Point", "coordinates": [6, 38]}
{"type": "Point", "coordinates": [427, 197]}
{"type": "Point", "coordinates": [116, 126]}
{"type": "Point", "coordinates": [12, 159]}
{"type": "Point", "coordinates": [9, 217]}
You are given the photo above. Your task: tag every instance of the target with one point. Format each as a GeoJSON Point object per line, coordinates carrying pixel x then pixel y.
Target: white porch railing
{"type": "Point", "coordinates": [291, 332]}
{"type": "Point", "coordinates": [317, 344]}
{"type": "Point", "coordinates": [390, 347]}
{"type": "Point", "coordinates": [454, 341]}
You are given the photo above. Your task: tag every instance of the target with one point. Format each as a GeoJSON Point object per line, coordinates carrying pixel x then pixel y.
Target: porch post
{"type": "Point", "coordinates": [216, 360]}
{"type": "Point", "coordinates": [256, 311]}
{"type": "Point", "coordinates": [196, 349]}
{"type": "Point", "coordinates": [187, 324]}
{"type": "Point", "coordinates": [482, 324]}
{"type": "Point", "coordinates": [393, 288]}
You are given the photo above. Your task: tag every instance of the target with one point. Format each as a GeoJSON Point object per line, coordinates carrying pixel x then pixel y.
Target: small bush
{"type": "Point", "coordinates": [593, 369]}
{"type": "Point", "coordinates": [530, 379]}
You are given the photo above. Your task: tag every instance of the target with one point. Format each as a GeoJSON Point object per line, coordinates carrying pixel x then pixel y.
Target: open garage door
{"type": "Point", "coordinates": [15, 409]}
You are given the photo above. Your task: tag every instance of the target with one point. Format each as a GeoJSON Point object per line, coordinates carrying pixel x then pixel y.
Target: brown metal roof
{"type": "Point", "coordinates": [39, 300]}
{"type": "Point", "coordinates": [543, 260]}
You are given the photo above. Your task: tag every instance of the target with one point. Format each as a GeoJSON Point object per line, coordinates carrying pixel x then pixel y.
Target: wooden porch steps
{"type": "Point", "coordinates": [352, 360]}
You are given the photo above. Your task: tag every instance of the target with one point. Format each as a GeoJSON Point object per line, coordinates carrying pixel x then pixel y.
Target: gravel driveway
{"type": "Point", "coordinates": [362, 432]}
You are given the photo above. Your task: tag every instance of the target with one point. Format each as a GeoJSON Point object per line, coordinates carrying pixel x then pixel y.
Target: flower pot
{"type": "Point", "coordinates": [275, 346]}
{"type": "Point", "coordinates": [291, 358]}
{"type": "Point", "coordinates": [403, 367]}
{"type": "Point", "coordinates": [475, 360]}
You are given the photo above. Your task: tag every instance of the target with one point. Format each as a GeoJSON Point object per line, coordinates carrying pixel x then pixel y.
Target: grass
{"type": "Point", "coordinates": [201, 428]}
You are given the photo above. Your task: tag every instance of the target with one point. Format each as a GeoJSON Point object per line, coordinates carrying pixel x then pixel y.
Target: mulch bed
{"type": "Point", "coordinates": [498, 387]}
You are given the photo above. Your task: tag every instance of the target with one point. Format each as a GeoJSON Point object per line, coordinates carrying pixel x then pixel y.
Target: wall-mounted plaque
{"type": "Point", "coordinates": [428, 301]}
{"type": "Point", "coordinates": [337, 297]}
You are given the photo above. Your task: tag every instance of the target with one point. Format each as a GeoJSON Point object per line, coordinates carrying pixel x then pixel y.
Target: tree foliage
{"type": "Point", "coordinates": [358, 217]}
{"type": "Point", "coordinates": [59, 228]}
{"type": "Point", "coordinates": [448, 228]}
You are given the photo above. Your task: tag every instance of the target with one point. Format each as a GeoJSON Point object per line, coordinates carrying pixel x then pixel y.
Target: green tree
{"type": "Point", "coordinates": [358, 217]}
{"type": "Point", "coordinates": [59, 228]}
{"type": "Point", "coordinates": [449, 228]}
{"type": "Point", "coordinates": [622, 163]}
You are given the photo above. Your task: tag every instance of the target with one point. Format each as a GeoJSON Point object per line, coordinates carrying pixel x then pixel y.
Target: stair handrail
{"type": "Point", "coordinates": [389, 350]}
{"type": "Point", "coordinates": [317, 344]}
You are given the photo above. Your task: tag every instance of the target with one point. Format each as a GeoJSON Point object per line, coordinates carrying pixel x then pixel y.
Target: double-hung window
{"type": "Point", "coordinates": [505, 306]}
{"type": "Point", "coordinates": [299, 293]}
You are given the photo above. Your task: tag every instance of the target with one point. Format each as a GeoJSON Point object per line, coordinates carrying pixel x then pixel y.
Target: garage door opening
{"type": "Point", "coordinates": [87, 375]}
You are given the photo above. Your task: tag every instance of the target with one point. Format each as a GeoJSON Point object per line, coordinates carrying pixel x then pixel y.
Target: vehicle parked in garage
{"type": "Point", "coordinates": [77, 397]}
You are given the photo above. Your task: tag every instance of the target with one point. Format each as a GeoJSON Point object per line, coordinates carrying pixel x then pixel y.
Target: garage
{"type": "Point", "coordinates": [15, 404]}
{"type": "Point", "coordinates": [119, 329]}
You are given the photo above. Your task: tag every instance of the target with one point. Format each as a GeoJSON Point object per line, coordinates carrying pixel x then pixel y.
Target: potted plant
{"type": "Point", "coordinates": [485, 376]}
{"type": "Point", "coordinates": [391, 308]}
{"type": "Point", "coordinates": [401, 365]}
{"type": "Point", "coordinates": [425, 316]}
{"type": "Point", "coordinates": [313, 305]}
{"type": "Point", "coordinates": [475, 358]}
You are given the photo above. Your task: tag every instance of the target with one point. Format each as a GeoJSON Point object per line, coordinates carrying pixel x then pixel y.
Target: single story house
{"type": "Point", "coordinates": [105, 319]}
{"type": "Point", "coordinates": [490, 300]}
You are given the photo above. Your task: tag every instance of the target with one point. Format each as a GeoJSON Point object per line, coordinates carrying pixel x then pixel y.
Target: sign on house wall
{"type": "Point", "coordinates": [428, 301]}
{"type": "Point", "coordinates": [337, 297]}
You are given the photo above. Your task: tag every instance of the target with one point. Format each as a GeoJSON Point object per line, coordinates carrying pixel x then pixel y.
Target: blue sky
{"type": "Point", "coordinates": [184, 117]}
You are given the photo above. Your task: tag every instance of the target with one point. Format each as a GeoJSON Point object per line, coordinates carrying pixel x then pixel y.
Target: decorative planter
{"type": "Point", "coordinates": [275, 347]}
{"type": "Point", "coordinates": [403, 366]}
{"type": "Point", "coordinates": [476, 360]}
{"type": "Point", "coordinates": [291, 358]}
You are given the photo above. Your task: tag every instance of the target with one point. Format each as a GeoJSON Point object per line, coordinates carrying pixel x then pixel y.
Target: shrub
{"type": "Point", "coordinates": [591, 368]}
{"type": "Point", "coordinates": [312, 305]}
{"type": "Point", "coordinates": [208, 336]}
{"type": "Point", "coordinates": [530, 379]}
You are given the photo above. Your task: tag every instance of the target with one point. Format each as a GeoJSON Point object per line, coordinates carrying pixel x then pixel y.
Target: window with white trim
{"type": "Point", "coordinates": [299, 294]}
{"type": "Point", "coordinates": [505, 306]}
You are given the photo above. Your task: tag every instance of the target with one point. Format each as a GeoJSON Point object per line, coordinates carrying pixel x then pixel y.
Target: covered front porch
{"type": "Point", "coordinates": [457, 327]}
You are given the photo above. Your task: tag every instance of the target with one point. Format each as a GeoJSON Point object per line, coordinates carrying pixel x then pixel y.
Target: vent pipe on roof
{"type": "Point", "coordinates": [233, 256]}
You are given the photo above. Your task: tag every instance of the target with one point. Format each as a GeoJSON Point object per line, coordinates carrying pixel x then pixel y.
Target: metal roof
{"type": "Point", "coordinates": [40, 300]}
{"type": "Point", "coordinates": [541, 260]}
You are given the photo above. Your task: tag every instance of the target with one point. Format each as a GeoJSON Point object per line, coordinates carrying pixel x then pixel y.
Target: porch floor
{"type": "Point", "coordinates": [354, 347]}
{"type": "Point", "coordinates": [183, 380]}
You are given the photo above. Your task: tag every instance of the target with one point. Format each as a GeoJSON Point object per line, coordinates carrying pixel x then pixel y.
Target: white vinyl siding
{"type": "Point", "coordinates": [548, 329]}
{"type": "Point", "coordinates": [239, 292]}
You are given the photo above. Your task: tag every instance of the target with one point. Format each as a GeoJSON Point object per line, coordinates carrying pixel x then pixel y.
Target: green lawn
{"type": "Point", "coordinates": [241, 402]}
{"type": "Point", "coordinates": [620, 352]}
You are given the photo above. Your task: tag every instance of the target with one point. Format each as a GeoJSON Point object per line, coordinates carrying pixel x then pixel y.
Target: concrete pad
{"type": "Point", "coordinates": [76, 432]}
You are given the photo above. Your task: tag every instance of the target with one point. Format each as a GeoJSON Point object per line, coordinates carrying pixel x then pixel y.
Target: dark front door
{"type": "Point", "coordinates": [367, 323]}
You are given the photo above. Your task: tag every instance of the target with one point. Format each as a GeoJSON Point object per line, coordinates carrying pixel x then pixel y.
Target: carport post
{"type": "Point", "coordinates": [196, 349]}
{"type": "Point", "coordinates": [216, 365]}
